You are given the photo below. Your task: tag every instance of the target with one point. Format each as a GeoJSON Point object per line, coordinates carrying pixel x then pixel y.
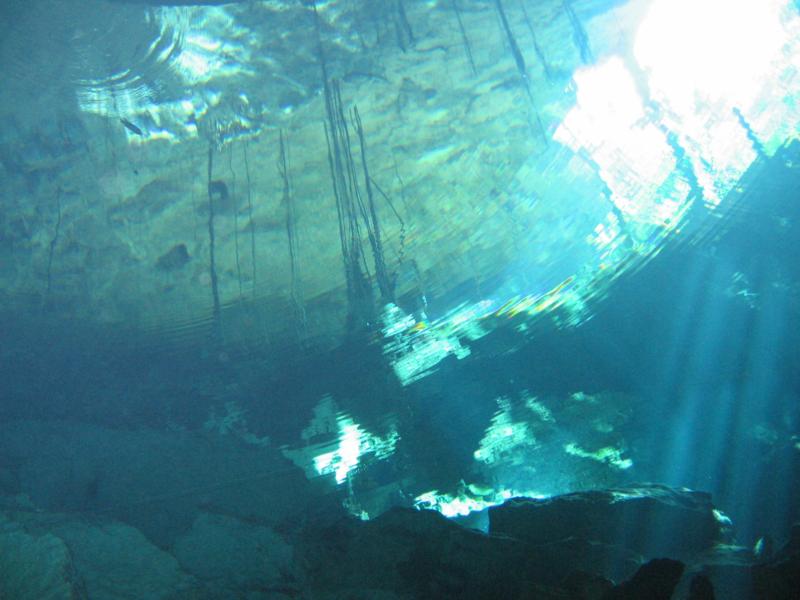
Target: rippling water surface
{"type": "Point", "coordinates": [267, 260]}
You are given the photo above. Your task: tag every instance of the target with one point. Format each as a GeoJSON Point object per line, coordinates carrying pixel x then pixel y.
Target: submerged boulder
{"type": "Point", "coordinates": [34, 567]}
{"type": "Point", "coordinates": [655, 580]}
{"type": "Point", "coordinates": [230, 556]}
{"type": "Point", "coordinates": [569, 546]}
{"type": "Point", "coordinates": [779, 579]}
{"type": "Point", "coordinates": [648, 521]}
{"type": "Point", "coordinates": [416, 554]}
{"type": "Point", "coordinates": [114, 560]}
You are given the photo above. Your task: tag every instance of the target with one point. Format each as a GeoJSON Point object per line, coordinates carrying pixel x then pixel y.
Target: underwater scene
{"type": "Point", "coordinates": [400, 299]}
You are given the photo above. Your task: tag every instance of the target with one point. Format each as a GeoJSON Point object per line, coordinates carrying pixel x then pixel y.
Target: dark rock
{"type": "Point", "coordinates": [152, 199]}
{"type": "Point", "coordinates": [655, 580]}
{"type": "Point", "coordinates": [557, 561]}
{"type": "Point", "coordinates": [764, 548]}
{"type": "Point", "coordinates": [417, 554]}
{"type": "Point", "coordinates": [730, 582]}
{"type": "Point", "coordinates": [175, 258]}
{"type": "Point", "coordinates": [701, 588]}
{"type": "Point", "coordinates": [564, 547]}
{"type": "Point", "coordinates": [580, 585]}
{"type": "Point", "coordinates": [779, 579]}
{"type": "Point", "coordinates": [223, 202]}
{"type": "Point", "coordinates": [727, 567]}
{"type": "Point", "coordinates": [652, 521]}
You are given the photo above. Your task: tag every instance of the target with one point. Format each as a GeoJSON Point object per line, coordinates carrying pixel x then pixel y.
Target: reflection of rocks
{"type": "Point", "coordinates": [551, 444]}
{"type": "Point", "coordinates": [440, 140]}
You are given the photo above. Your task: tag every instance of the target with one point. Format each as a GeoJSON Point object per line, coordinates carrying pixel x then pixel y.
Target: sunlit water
{"type": "Point", "coordinates": [590, 243]}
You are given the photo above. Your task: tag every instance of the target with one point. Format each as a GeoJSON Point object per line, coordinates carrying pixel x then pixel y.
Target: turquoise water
{"type": "Point", "coordinates": [266, 264]}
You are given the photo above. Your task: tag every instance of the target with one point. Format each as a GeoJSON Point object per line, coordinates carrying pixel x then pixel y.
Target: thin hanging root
{"type": "Point", "coordinates": [402, 235]}
{"type": "Point", "coordinates": [343, 179]}
{"type": "Point", "coordinates": [519, 60]}
{"type": "Point", "coordinates": [405, 36]}
{"type": "Point", "coordinates": [355, 202]}
{"type": "Point", "coordinates": [548, 72]}
{"type": "Point", "coordinates": [235, 221]}
{"type": "Point", "coordinates": [211, 258]}
{"type": "Point", "coordinates": [373, 227]}
{"type": "Point", "coordinates": [579, 35]}
{"type": "Point", "coordinates": [512, 42]}
{"type": "Point", "coordinates": [52, 248]}
{"type": "Point", "coordinates": [291, 233]}
{"type": "Point", "coordinates": [464, 38]}
{"type": "Point", "coordinates": [252, 220]}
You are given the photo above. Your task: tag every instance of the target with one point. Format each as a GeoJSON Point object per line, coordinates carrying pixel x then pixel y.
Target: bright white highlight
{"type": "Point", "coordinates": [609, 122]}
{"type": "Point", "coordinates": [704, 60]}
{"type": "Point", "coordinates": [709, 49]}
{"type": "Point", "coordinates": [353, 443]}
{"type": "Point", "coordinates": [345, 458]}
{"type": "Point", "coordinates": [722, 83]}
{"type": "Point", "coordinates": [334, 444]}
